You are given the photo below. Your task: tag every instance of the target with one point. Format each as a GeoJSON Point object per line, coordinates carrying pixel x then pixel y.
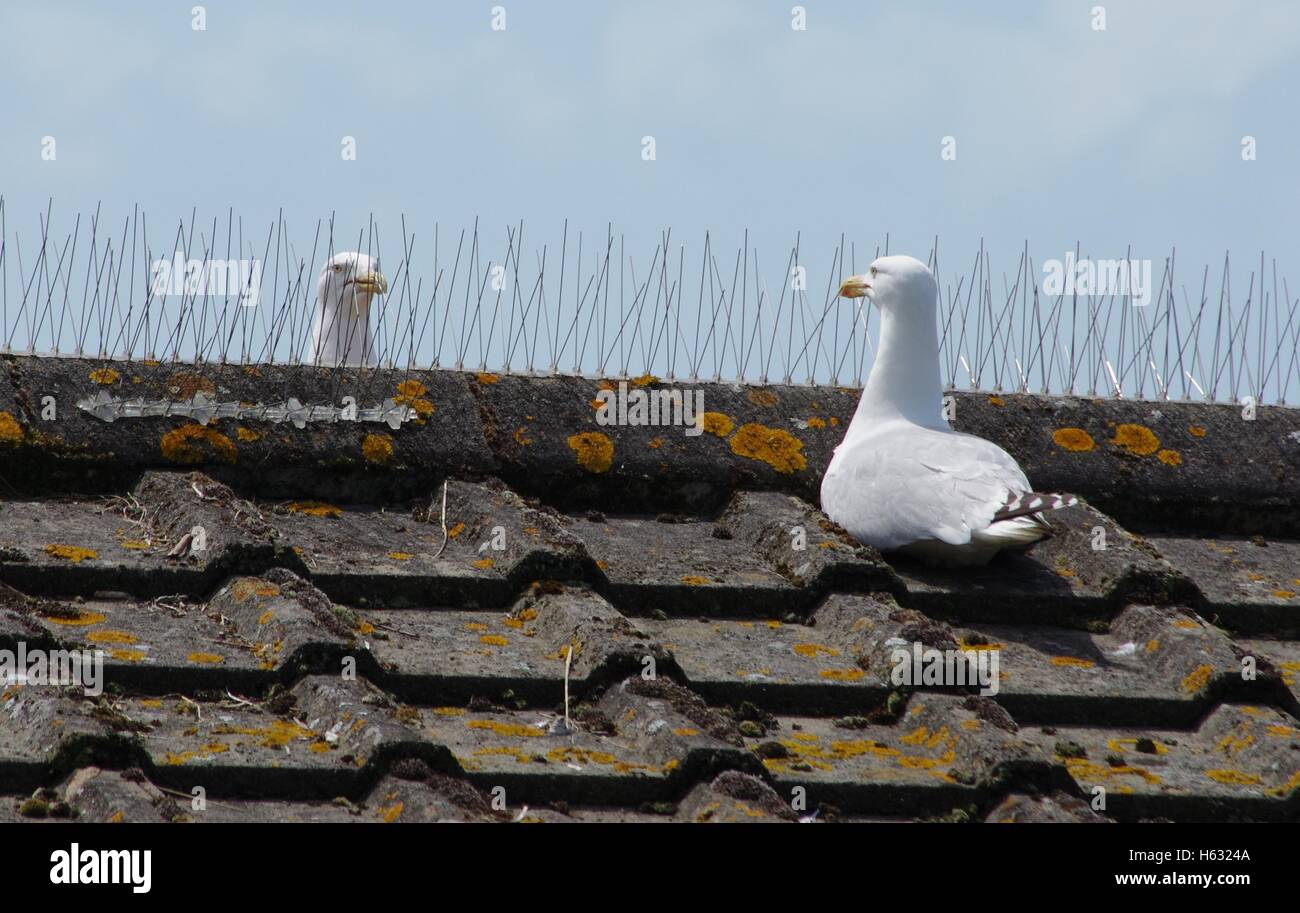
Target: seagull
{"type": "Point", "coordinates": [902, 480]}
{"type": "Point", "coordinates": [347, 284]}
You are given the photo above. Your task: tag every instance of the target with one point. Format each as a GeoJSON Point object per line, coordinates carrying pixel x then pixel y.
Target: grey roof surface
{"type": "Point", "coordinates": [717, 671]}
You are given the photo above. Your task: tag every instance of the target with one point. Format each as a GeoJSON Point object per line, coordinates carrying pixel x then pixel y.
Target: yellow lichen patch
{"type": "Point", "coordinates": [655, 443]}
{"type": "Point", "coordinates": [1288, 786]}
{"type": "Point", "coordinates": [692, 580]}
{"type": "Point", "coordinates": [761, 397]}
{"type": "Point", "coordinates": [73, 553]}
{"type": "Point", "coordinates": [10, 431]}
{"type": "Point", "coordinates": [1198, 679]}
{"type": "Point", "coordinates": [595, 451]}
{"type": "Point", "coordinates": [277, 735]}
{"type": "Point", "coordinates": [135, 545]}
{"type": "Point", "coordinates": [1186, 624]}
{"type": "Point", "coordinates": [389, 814]}
{"type": "Point", "coordinates": [1073, 661]}
{"type": "Point", "coordinates": [522, 439]}
{"type": "Point", "coordinates": [191, 444]}
{"type": "Point", "coordinates": [80, 620]}
{"type": "Point", "coordinates": [484, 377]}
{"type": "Point", "coordinates": [1073, 439]}
{"type": "Point", "coordinates": [1122, 745]}
{"type": "Point", "coordinates": [127, 656]}
{"type": "Point", "coordinates": [206, 659]}
{"type": "Point", "coordinates": [685, 732]}
{"type": "Point", "coordinates": [246, 588]}
{"type": "Point", "coordinates": [996, 401]}
{"type": "Point", "coordinates": [841, 675]}
{"type": "Point", "coordinates": [455, 530]}
{"type": "Point", "coordinates": [815, 422]}
{"type": "Point", "coordinates": [411, 393]}
{"type": "Point", "coordinates": [778, 449]}
{"type": "Point", "coordinates": [1284, 594]}
{"type": "Point", "coordinates": [1233, 777]}
{"type": "Point", "coordinates": [111, 637]}
{"type": "Point", "coordinates": [265, 617]}
{"type": "Point", "coordinates": [1090, 771]}
{"type": "Point", "coordinates": [1152, 645]}
{"type": "Point", "coordinates": [1196, 430]}
{"type": "Point", "coordinates": [411, 388]}
{"type": "Point", "coordinates": [1138, 440]}
{"type": "Point", "coordinates": [483, 563]}
{"type": "Point", "coordinates": [105, 376]}
{"type": "Point", "coordinates": [377, 448]}
{"type": "Point", "coordinates": [475, 626]}
{"type": "Point", "coordinates": [644, 380]}
{"type": "Point", "coordinates": [812, 651]}
{"type": "Point", "coordinates": [364, 627]}
{"type": "Point", "coordinates": [185, 384]}
{"type": "Point", "coordinates": [205, 752]}
{"type": "Point", "coordinates": [717, 423]}
{"type": "Point", "coordinates": [514, 730]}
{"type": "Point", "coordinates": [493, 640]}
{"type": "Point", "coordinates": [1170, 457]}
{"type": "Point", "coordinates": [400, 556]}
{"type": "Point", "coordinates": [248, 435]}
{"type": "Point", "coordinates": [449, 711]}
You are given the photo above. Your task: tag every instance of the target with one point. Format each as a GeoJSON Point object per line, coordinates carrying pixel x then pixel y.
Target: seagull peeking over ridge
{"type": "Point", "coordinates": [902, 479]}
{"type": "Point", "coordinates": [341, 334]}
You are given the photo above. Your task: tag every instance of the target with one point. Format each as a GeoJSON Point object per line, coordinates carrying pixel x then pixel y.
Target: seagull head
{"type": "Point", "coordinates": [893, 283]}
{"type": "Point", "coordinates": [350, 279]}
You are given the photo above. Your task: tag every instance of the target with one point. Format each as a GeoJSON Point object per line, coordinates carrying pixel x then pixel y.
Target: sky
{"type": "Point", "coordinates": [1127, 137]}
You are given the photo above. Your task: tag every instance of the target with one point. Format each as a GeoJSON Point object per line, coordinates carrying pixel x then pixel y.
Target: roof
{"type": "Point", "coordinates": [286, 625]}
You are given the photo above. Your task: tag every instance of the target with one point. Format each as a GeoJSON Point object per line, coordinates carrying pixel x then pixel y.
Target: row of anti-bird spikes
{"type": "Point", "coordinates": [584, 305]}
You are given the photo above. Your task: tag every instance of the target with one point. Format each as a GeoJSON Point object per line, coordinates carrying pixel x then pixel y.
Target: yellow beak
{"type": "Point", "coordinates": [855, 287]}
{"type": "Point", "coordinates": [372, 282]}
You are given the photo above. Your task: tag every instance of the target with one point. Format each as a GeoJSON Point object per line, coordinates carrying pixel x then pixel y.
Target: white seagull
{"type": "Point", "coordinates": [344, 290]}
{"type": "Point", "coordinates": [902, 479]}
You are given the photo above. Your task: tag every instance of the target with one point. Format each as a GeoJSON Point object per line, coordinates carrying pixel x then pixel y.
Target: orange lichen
{"type": "Point", "coordinates": [245, 588]}
{"type": "Point", "coordinates": [400, 556]}
{"type": "Point", "coordinates": [595, 451]}
{"type": "Point", "coordinates": [80, 620]}
{"type": "Point", "coordinates": [1284, 594]}
{"type": "Point", "coordinates": [1233, 777]}
{"type": "Point", "coordinates": [191, 444]}
{"type": "Point", "coordinates": [185, 385]}
{"type": "Point", "coordinates": [842, 675]}
{"type": "Point", "coordinates": [127, 656]}
{"type": "Point", "coordinates": [1072, 661]}
{"type": "Point", "coordinates": [816, 422]}
{"type": "Point", "coordinates": [104, 376]}
{"type": "Point", "coordinates": [1170, 457]}
{"type": "Point", "coordinates": [411, 393]}
{"type": "Point", "coordinates": [111, 637]}
{"type": "Point", "coordinates": [718, 424]}
{"type": "Point", "coordinates": [207, 659]}
{"type": "Point", "coordinates": [74, 553]}
{"type": "Point", "coordinates": [1198, 679]}
{"type": "Point", "coordinates": [314, 509]}
{"type": "Point", "coordinates": [1139, 440]}
{"type": "Point", "coordinates": [248, 435]}
{"type": "Point", "coordinates": [493, 640]}
{"type": "Point", "coordinates": [1196, 430]}
{"type": "Point", "coordinates": [455, 530]}
{"type": "Point", "coordinates": [644, 380]}
{"type": "Point", "coordinates": [778, 449]}
{"type": "Point", "coordinates": [484, 377]}
{"type": "Point", "coordinates": [10, 431]}
{"type": "Point", "coordinates": [1075, 440]}
{"type": "Point", "coordinates": [522, 439]}
{"type": "Point", "coordinates": [996, 401]}
{"type": "Point", "coordinates": [812, 651]}
{"type": "Point", "coordinates": [377, 448]}
{"type": "Point", "coordinates": [694, 580]}
{"type": "Point", "coordinates": [483, 563]}
{"type": "Point", "coordinates": [761, 397]}
{"type": "Point", "coordinates": [655, 443]}
{"type": "Point", "coordinates": [515, 730]}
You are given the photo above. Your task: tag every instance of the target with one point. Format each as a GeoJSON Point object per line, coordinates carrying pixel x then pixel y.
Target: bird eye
{"type": "Point", "coordinates": [338, 267]}
{"type": "Point", "coordinates": [873, 272]}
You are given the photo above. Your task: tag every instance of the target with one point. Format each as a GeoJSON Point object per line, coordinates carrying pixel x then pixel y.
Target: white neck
{"type": "Point", "coordinates": [904, 381]}
{"type": "Point", "coordinates": [341, 335]}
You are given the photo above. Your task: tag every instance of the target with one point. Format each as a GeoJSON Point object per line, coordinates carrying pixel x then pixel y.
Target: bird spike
{"type": "Point", "coordinates": [598, 304]}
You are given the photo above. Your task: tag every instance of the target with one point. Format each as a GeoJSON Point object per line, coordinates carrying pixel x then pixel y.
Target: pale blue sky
{"type": "Point", "coordinates": [1130, 135]}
